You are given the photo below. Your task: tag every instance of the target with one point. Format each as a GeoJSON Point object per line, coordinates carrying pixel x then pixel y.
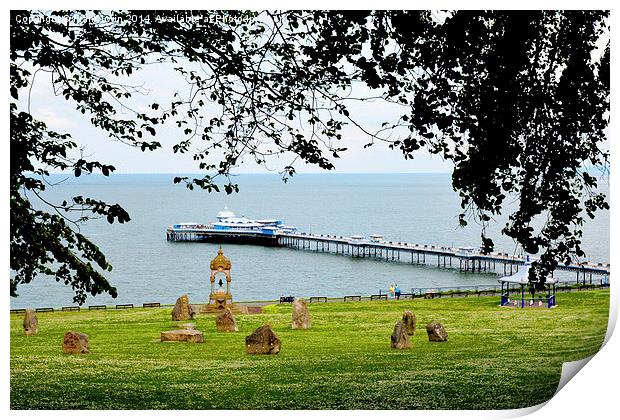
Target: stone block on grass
{"type": "Point", "coordinates": [301, 315]}
{"type": "Point", "coordinates": [409, 320]}
{"type": "Point", "coordinates": [31, 322]}
{"type": "Point", "coordinates": [182, 310]}
{"type": "Point", "coordinates": [225, 321]}
{"type": "Point", "coordinates": [75, 343]}
{"type": "Point", "coordinates": [436, 332]}
{"type": "Point", "coordinates": [190, 336]}
{"type": "Point", "coordinates": [262, 341]}
{"type": "Point", "coordinates": [400, 337]}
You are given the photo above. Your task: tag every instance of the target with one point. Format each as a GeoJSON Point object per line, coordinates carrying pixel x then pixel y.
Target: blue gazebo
{"type": "Point", "coordinates": [520, 279]}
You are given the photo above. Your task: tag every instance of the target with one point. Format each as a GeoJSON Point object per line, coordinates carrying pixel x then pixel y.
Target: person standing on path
{"type": "Point", "coordinates": [397, 291]}
{"type": "Point", "coordinates": [392, 292]}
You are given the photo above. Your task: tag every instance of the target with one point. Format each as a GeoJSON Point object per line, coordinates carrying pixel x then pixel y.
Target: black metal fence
{"type": "Point", "coordinates": [437, 292]}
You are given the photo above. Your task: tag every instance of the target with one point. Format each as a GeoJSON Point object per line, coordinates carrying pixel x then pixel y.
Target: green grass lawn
{"type": "Point", "coordinates": [494, 358]}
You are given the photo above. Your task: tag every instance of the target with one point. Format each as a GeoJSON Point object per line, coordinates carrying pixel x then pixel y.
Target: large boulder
{"type": "Point", "coordinates": [410, 321]}
{"type": "Point", "coordinates": [301, 315]}
{"type": "Point", "coordinates": [75, 343]}
{"type": "Point", "coordinates": [190, 335]}
{"type": "Point", "coordinates": [182, 310]}
{"type": "Point", "coordinates": [436, 332]}
{"type": "Point", "coordinates": [400, 337]}
{"type": "Point", "coordinates": [262, 341]}
{"type": "Point", "coordinates": [31, 323]}
{"type": "Point", "coordinates": [225, 321]}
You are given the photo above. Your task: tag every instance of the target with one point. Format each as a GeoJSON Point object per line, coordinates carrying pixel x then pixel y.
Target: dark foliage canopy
{"type": "Point", "coordinates": [517, 101]}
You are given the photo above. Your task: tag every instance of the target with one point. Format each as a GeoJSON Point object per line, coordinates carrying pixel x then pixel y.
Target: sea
{"type": "Point", "coordinates": [417, 208]}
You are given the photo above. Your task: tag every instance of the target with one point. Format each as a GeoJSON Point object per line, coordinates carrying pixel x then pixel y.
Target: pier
{"type": "Point", "coordinates": [465, 259]}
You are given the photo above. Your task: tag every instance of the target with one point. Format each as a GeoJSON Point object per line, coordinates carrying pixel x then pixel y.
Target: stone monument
{"type": "Point", "coordinates": [220, 298]}
{"type": "Point", "coordinates": [436, 332]}
{"type": "Point", "coordinates": [75, 343]}
{"type": "Point", "coordinates": [262, 341]}
{"type": "Point", "coordinates": [301, 315]}
{"type": "Point", "coordinates": [182, 310]}
{"type": "Point", "coordinates": [410, 322]}
{"type": "Point", "coordinates": [31, 323]}
{"type": "Point", "coordinates": [225, 321]}
{"type": "Point", "coordinates": [400, 337]}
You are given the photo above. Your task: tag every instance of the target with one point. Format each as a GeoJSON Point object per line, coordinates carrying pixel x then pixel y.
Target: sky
{"type": "Point", "coordinates": [159, 83]}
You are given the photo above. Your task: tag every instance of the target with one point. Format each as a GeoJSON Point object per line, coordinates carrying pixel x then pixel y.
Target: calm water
{"type": "Point", "coordinates": [419, 208]}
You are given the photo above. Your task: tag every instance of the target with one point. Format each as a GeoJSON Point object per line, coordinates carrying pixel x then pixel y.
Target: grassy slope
{"type": "Point", "coordinates": [494, 358]}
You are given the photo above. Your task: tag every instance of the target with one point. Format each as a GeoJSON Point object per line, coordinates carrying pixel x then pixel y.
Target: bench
{"type": "Point", "coordinates": [486, 292]}
{"type": "Point", "coordinates": [586, 287]}
{"type": "Point", "coordinates": [151, 305]}
{"type": "Point", "coordinates": [318, 299]}
{"type": "Point", "coordinates": [97, 307]}
{"type": "Point", "coordinates": [287, 299]}
{"type": "Point", "coordinates": [70, 308]}
{"type": "Point", "coordinates": [459, 294]}
{"type": "Point", "coordinates": [125, 306]}
{"type": "Point", "coordinates": [44, 310]}
{"type": "Point", "coordinates": [405, 296]}
{"type": "Point", "coordinates": [18, 311]}
{"type": "Point", "coordinates": [352, 298]}
{"type": "Point", "coordinates": [432, 295]}
{"type": "Point", "coordinates": [378, 297]}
